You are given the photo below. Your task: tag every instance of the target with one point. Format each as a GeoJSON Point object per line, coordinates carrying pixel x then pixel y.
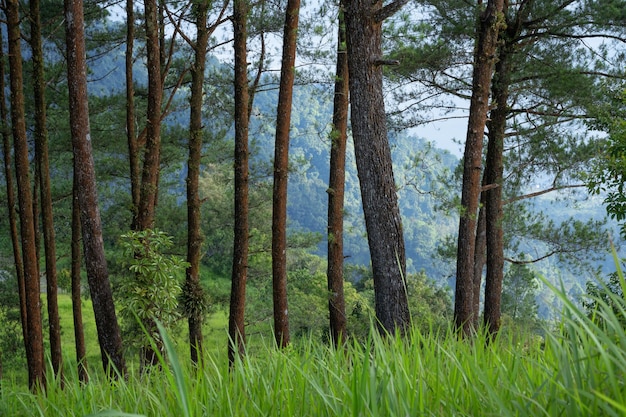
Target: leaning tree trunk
{"type": "Point", "coordinates": [34, 340]}
{"type": "Point", "coordinates": [107, 326]}
{"type": "Point", "coordinates": [281, 167]}
{"type": "Point", "coordinates": [490, 20]}
{"type": "Point", "coordinates": [373, 158]}
{"type": "Point", "coordinates": [236, 324]}
{"type": "Point", "coordinates": [193, 292]}
{"type": "Point", "coordinates": [41, 152]}
{"type": "Point", "coordinates": [336, 191]}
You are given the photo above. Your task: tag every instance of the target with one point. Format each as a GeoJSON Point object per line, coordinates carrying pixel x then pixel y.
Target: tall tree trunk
{"type": "Point", "coordinates": [11, 204]}
{"type": "Point", "coordinates": [131, 131]}
{"type": "Point", "coordinates": [34, 341]}
{"type": "Point", "coordinates": [373, 158]}
{"type": "Point", "coordinates": [41, 152]}
{"type": "Point", "coordinates": [494, 173]}
{"type": "Point", "coordinates": [336, 190]}
{"type": "Point", "coordinates": [281, 167]}
{"type": "Point", "coordinates": [77, 310]}
{"type": "Point", "coordinates": [193, 289]}
{"type": "Point", "coordinates": [107, 326]}
{"type": "Point", "coordinates": [236, 324]}
{"type": "Point", "coordinates": [489, 23]}
{"type": "Point", "coordinates": [150, 174]}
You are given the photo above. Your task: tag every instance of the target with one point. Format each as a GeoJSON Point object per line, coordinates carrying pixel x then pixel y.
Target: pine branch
{"type": "Point", "coordinates": [389, 10]}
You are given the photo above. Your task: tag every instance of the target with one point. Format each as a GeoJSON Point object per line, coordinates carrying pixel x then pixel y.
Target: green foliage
{"type": "Point", "coordinates": [150, 291]}
{"type": "Point", "coordinates": [610, 175]}
{"type": "Point", "coordinates": [601, 293]}
{"type": "Point", "coordinates": [193, 300]}
{"type": "Point", "coordinates": [519, 297]}
{"type": "Point", "coordinates": [12, 353]}
{"type": "Point", "coordinates": [577, 371]}
{"type": "Point", "coordinates": [430, 304]}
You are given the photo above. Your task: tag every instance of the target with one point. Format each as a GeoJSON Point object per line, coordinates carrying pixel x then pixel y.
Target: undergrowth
{"type": "Point", "coordinates": [578, 370]}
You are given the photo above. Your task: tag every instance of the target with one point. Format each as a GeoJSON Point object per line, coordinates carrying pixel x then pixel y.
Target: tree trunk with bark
{"type": "Point", "coordinates": [489, 23]}
{"type": "Point", "coordinates": [77, 310]}
{"type": "Point", "coordinates": [150, 173]}
{"type": "Point", "coordinates": [151, 161]}
{"type": "Point", "coordinates": [107, 326]}
{"type": "Point", "coordinates": [373, 158]}
{"type": "Point", "coordinates": [131, 131]}
{"type": "Point", "coordinates": [41, 153]}
{"type": "Point", "coordinates": [34, 332]}
{"type": "Point", "coordinates": [11, 203]}
{"type": "Point", "coordinates": [336, 191]}
{"type": "Point", "coordinates": [236, 323]}
{"type": "Point", "coordinates": [494, 174]}
{"type": "Point", "coordinates": [193, 289]}
{"type": "Point", "coordinates": [281, 167]}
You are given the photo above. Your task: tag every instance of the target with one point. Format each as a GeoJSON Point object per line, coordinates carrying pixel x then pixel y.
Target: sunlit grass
{"type": "Point", "coordinates": [578, 370]}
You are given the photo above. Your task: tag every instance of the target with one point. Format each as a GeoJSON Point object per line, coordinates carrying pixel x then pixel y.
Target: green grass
{"type": "Point", "coordinates": [578, 370]}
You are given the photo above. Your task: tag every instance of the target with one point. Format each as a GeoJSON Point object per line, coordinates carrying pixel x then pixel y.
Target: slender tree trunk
{"type": "Point", "coordinates": [281, 167]}
{"type": "Point", "coordinates": [150, 174]}
{"type": "Point", "coordinates": [193, 288]}
{"type": "Point", "coordinates": [336, 189]}
{"type": "Point", "coordinates": [484, 58]}
{"type": "Point", "coordinates": [34, 341]}
{"type": "Point", "coordinates": [11, 204]}
{"type": "Point", "coordinates": [35, 193]}
{"type": "Point", "coordinates": [236, 324]}
{"type": "Point", "coordinates": [97, 273]}
{"type": "Point", "coordinates": [131, 134]}
{"type": "Point", "coordinates": [77, 310]}
{"type": "Point", "coordinates": [494, 177]}
{"type": "Point", "coordinates": [41, 151]}
{"type": "Point", "coordinates": [373, 158]}
{"type": "Point", "coordinates": [161, 37]}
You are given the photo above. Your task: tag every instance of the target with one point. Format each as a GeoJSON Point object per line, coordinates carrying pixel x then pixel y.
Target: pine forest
{"type": "Point", "coordinates": [308, 208]}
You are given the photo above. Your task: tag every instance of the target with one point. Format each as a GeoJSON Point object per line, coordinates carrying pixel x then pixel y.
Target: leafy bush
{"type": "Point", "coordinates": [150, 292]}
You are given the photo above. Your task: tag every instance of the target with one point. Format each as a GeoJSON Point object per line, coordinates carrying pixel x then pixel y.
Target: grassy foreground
{"type": "Point", "coordinates": [581, 372]}
{"type": "Point", "coordinates": [578, 370]}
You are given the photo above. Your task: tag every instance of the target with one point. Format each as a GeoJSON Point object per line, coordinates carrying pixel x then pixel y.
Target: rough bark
{"type": "Point", "coordinates": [281, 166]}
{"type": "Point", "coordinates": [374, 165]}
{"type": "Point", "coordinates": [150, 173]}
{"type": "Point", "coordinates": [484, 58]}
{"type": "Point", "coordinates": [194, 237]}
{"type": "Point", "coordinates": [236, 324]}
{"type": "Point", "coordinates": [494, 171]}
{"type": "Point", "coordinates": [107, 326]}
{"type": "Point", "coordinates": [11, 203]}
{"type": "Point", "coordinates": [34, 340]}
{"type": "Point", "coordinates": [336, 191]}
{"type": "Point", "coordinates": [131, 131]}
{"type": "Point", "coordinates": [151, 161]}
{"type": "Point", "coordinates": [41, 153]}
{"type": "Point", "coordinates": [77, 310]}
